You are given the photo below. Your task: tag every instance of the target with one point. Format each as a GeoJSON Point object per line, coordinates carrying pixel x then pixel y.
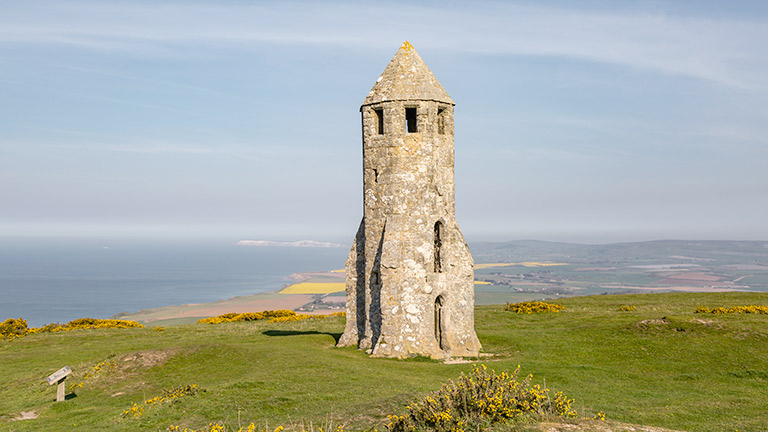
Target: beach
{"type": "Point", "coordinates": [324, 294]}
{"type": "Point", "coordinates": [186, 313]}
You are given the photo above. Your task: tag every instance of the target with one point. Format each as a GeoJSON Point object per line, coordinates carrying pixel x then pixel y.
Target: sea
{"type": "Point", "coordinates": [45, 280]}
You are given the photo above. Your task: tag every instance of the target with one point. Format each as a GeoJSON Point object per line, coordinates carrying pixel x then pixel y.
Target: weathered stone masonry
{"type": "Point", "coordinates": [410, 278]}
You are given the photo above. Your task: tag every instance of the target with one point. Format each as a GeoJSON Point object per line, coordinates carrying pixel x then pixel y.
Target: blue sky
{"type": "Point", "coordinates": [593, 121]}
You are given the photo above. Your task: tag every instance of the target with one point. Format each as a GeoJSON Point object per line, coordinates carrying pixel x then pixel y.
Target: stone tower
{"type": "Point", "coordinates": [410, 277]}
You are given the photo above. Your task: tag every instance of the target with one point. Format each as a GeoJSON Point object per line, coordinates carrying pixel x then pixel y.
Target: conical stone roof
{"type": "Point", "coordinates": [407, 77]}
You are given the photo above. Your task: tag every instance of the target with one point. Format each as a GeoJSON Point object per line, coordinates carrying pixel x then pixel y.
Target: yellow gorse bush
{"type": "Point", "coordinates": [212, 427]}
{"type": "Point", "coordinates": [101, 366]}
{"type": "Point", "coordinates": [86, 324]}
{"type": "Point", "coordinates": [275, 316]}
{"type": "Point", "coordinates": [533, 307]}
{"type": "Point", "coordinates": [477, 400]}
{"type": "Point", "coordinates": [752, 309]}
{"type": "Point", "coordinates": [247, 316]}
{"type": "Point", "coordinates": [218, 427]}
{"type": "Point", "coordinates": [15, 328]}
{"type": "Point", "coordinates": [627, 308]}
{"type": "Point", "coordinates": [137, 409]}
{"type": "Point", "coordinates": [11, 328]}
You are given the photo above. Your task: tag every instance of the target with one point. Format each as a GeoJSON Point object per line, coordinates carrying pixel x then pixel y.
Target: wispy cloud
{"type": "Point", "coordinates": [151, 81]}
{"type": "Point", "coordinates": [155, 148]}
{"type": "Point", "coordinates": [260, 153]}
{"type": "Point", "coordinates": [119, 101]}
{"type": "Point", "coordinates": [718, 50]}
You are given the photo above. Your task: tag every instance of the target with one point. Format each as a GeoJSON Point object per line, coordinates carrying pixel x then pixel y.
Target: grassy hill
{"type": "Point", "coordinates": [659, 365]}
{"type": "Point", "coordinates": [720, 251]}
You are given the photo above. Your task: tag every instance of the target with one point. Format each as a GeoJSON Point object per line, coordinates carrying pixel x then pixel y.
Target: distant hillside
{"type": "Point", "coordinates": [723, 251]}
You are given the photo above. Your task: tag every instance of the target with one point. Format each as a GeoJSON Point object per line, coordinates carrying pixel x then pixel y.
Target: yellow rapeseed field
{"type": "Point", "coordinates": [314, 288]}
{"type": "Point", "coordinates": [327, 287]}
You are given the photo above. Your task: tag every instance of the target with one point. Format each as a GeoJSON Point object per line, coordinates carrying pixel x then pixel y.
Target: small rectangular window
{"type": "Point", "coordinates": [379, 114]}
{"type": "Point", "coordinates": [410, 120]}
{"type": "Point", "coordinates": [441, 121]}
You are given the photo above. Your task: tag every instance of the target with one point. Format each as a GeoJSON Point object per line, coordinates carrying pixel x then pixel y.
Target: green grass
{"type": "Point", "coordinates": [689, 371]}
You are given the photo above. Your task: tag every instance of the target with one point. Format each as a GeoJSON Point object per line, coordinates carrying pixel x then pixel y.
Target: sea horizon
{"type": "Point", "coordinates": [45, 280]}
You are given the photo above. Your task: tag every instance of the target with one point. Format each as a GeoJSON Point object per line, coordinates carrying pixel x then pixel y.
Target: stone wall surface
{"type": "Point", "coordinates": [410, 280]}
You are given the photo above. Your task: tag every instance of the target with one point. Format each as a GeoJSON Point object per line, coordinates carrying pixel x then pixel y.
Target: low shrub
{"type": "Point", "coordinates": [15, 328]}
{"type": "Point", "coordinates": [87, 324]}
{"type": "Point", "coordinates": [274, 316]}
{"type": "Point", "coordinates": [529, 307]}
{"type": "Point", "coordinates": [247, 316]}
{"type": "Point", "coordinates": [751, 309]}
{"type": "Point", "coordinates": [96, 370]}
{"type": "Point", "coordinates": [219, 427]}
{"type": "Point", "coordinates": [137, 409]}
{"type": "Point", "coordinates": [478, 400]}
{"type": "Point", "coordinates": [627, 308]}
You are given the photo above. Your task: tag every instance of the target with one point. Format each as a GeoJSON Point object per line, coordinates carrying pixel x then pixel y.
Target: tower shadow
{"type": "Point", "coordinates": [280, 333]}
{"type": "Point", "coordinates": [375, 290]}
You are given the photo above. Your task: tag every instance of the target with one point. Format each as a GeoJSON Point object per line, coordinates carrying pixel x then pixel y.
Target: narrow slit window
{"type": "Point", "coordinates": [441, 121]}
{"type": "Point", "coordinates": [438, 246]}
{"type": "Point", "coordinates": [439, 321]}
{"type": "Point", "coordinates": [379, 114]}
{"type": "Point", "coordinates": [410, 120]}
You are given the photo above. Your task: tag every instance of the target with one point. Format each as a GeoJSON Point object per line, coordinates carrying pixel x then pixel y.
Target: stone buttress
{"type": "Point", "coordinates": [410, 277]}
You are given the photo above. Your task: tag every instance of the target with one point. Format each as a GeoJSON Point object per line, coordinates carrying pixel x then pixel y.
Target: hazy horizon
{"type": "Point", "coordinates": [219, 239]}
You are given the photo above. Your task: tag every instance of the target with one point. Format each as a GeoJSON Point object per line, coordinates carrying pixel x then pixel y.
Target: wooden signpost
{"type": "Point", "coordinates": [58, 377]}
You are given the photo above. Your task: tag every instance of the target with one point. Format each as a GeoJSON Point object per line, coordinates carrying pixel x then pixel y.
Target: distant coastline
{"type": "Point", "coordinates": [300, 243]}
{"type": "Point", "coordinates": [45, 280]}
{"type": "Point", "coordinates": [524, 270]}
{"type": "Point", "coordinates": [83, 279]}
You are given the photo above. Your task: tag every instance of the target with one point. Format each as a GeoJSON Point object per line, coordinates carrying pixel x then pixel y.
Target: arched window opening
{"type": "Point", "coordinates": [441, 120]}
{"type": "Point", "coordinates": [438, 246]}
{"type": "Point", "coordinates": [439, 321]}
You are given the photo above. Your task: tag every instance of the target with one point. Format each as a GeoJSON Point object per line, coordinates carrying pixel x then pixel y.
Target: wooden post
{"type": "Point", "coordinates": [58, 377]}
{"type": "Point", "coordinates": [60, 390]}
